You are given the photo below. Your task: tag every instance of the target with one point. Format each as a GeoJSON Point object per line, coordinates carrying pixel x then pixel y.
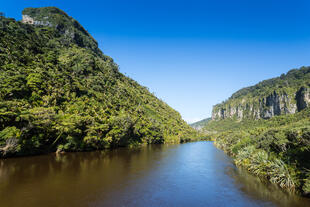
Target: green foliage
{"type": "Point", "coordinates": [264, 165]}
{"type": "Point", "coordinates": [9, 133]}
{"type": "Point", "coordinates": [277, 149]}
{"type": "Point", "coordinates": [9, 140]}
{"type": "Point", "coordinates": [277, 96]}
{"type": "Point", "coordinates": [294, 78]}
{"type": "Point", "coordinates": [200, 124]}
{"type": "Point", "coordinates": [59, 92]}
{"type": "Point", "coordinates": [306, 186]}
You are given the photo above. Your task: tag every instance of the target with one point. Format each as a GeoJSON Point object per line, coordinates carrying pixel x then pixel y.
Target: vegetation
{"type": "Point", "coordinates": [276, 149]}
{"type": "Point", "coordinates": [292, 80]}
{"type": "Point", "coordinates": [200, 124]}
{"type": "Point", "coordinates": [282, 95]}
{"type": "Point", "coordinates": [58, 91]}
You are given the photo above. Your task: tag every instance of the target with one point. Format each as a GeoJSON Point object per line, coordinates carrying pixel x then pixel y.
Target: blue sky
{"type": "Point", "coordinates": [193, 54]}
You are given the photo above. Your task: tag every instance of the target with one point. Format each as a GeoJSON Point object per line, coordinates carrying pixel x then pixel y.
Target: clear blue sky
{"type": "Point", "coordinates": [193, 54]}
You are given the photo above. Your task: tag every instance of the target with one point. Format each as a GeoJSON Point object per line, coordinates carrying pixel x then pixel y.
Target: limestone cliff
{"type": "Point", "coordinates": [286, 94]}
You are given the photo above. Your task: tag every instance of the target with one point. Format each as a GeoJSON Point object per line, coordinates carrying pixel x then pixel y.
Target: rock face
{"type": "Point", "coordinates": [266, 107]}
{"type": "Point", "coordinates": [303, 98]}
{"type": "Point", "coordinates": [278, 96]}
{"type": "Point", "coordinates": [29, 20]}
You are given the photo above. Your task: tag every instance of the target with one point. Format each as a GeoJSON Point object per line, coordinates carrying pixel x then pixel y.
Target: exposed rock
{"type": "Point", "coordinates": [287, 94]}
{"type": "Point", "coordinates": [265, 107]}
{"type": "Point", "coordinates": [29, 20]}
{"type": "Point", "coordinates": [302, 98]}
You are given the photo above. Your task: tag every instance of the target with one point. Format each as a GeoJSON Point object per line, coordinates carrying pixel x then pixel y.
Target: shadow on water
{"type": "Point", "coordinates": [71, 179]}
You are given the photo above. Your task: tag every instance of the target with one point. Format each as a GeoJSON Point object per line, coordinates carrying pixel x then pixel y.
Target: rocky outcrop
{"type": "Point", "coordinates": [302, 98]}
{"type": "Point", "coordinates": [26, 19]}
{"type": "Point", "coordinates": [263, 107]}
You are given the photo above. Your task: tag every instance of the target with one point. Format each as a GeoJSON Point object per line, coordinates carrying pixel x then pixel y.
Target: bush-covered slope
{"type": "Point", "coordinates": [277, 149]}
{"type": "Point", "coordinates": [58, 91]}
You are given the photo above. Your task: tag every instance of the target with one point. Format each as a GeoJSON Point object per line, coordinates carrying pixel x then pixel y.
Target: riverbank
{"type": "Point", "coordinates": [276, 150]}
{"type": "Point", "coordinates": [9, 151]}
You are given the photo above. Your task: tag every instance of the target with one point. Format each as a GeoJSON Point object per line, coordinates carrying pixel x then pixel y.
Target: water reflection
{"type": "Point", "coordinates": [193, 174]}
{"type": "Point", "coordinates": [52, 180]}
{"type": "Point", "coordinates": [261, 190]}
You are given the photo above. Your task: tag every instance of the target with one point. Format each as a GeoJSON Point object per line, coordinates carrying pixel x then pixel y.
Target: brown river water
{"type": "Point", "coordinates": [191, 174]}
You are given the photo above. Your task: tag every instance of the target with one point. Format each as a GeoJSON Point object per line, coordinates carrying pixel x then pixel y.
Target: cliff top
{"type": "Point", "coordinates": [53, 17]}
{"type": "Point", "coordinates": [290, 79]}
{"type": "Point", "coordinates": [285, 94]}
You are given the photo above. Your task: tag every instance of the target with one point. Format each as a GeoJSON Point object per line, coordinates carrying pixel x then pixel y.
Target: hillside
{"type": "Point", "coordinates": [200, 124]}
{"type": "Point", "coordinates": [286, 94]}
{"type": "Point", "coordinates": [266, 129]}
{"type": "Point", "coordinates": [59, 92]}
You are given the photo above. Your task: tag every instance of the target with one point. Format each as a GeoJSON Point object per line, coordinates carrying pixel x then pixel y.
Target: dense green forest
{"type": "Point", "coordinates": [277, 148]}
{"type": "Point", "coordinates": [59, 92]}
{"type": "Point", "coordinates": [290, 81]}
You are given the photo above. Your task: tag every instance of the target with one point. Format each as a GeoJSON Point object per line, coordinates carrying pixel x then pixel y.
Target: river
{"type": "Point", "coordinates": [191, 174]}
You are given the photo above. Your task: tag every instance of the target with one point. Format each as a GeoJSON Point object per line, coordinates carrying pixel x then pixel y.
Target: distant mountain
{"type": "Point", "coordinates": [200, 124]}
{"type": "Point", "coordinates": [59, 92]}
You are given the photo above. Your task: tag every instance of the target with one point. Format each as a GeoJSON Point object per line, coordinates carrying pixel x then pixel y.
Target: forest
{"type": "Point", "coordinates": [59, 92]}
